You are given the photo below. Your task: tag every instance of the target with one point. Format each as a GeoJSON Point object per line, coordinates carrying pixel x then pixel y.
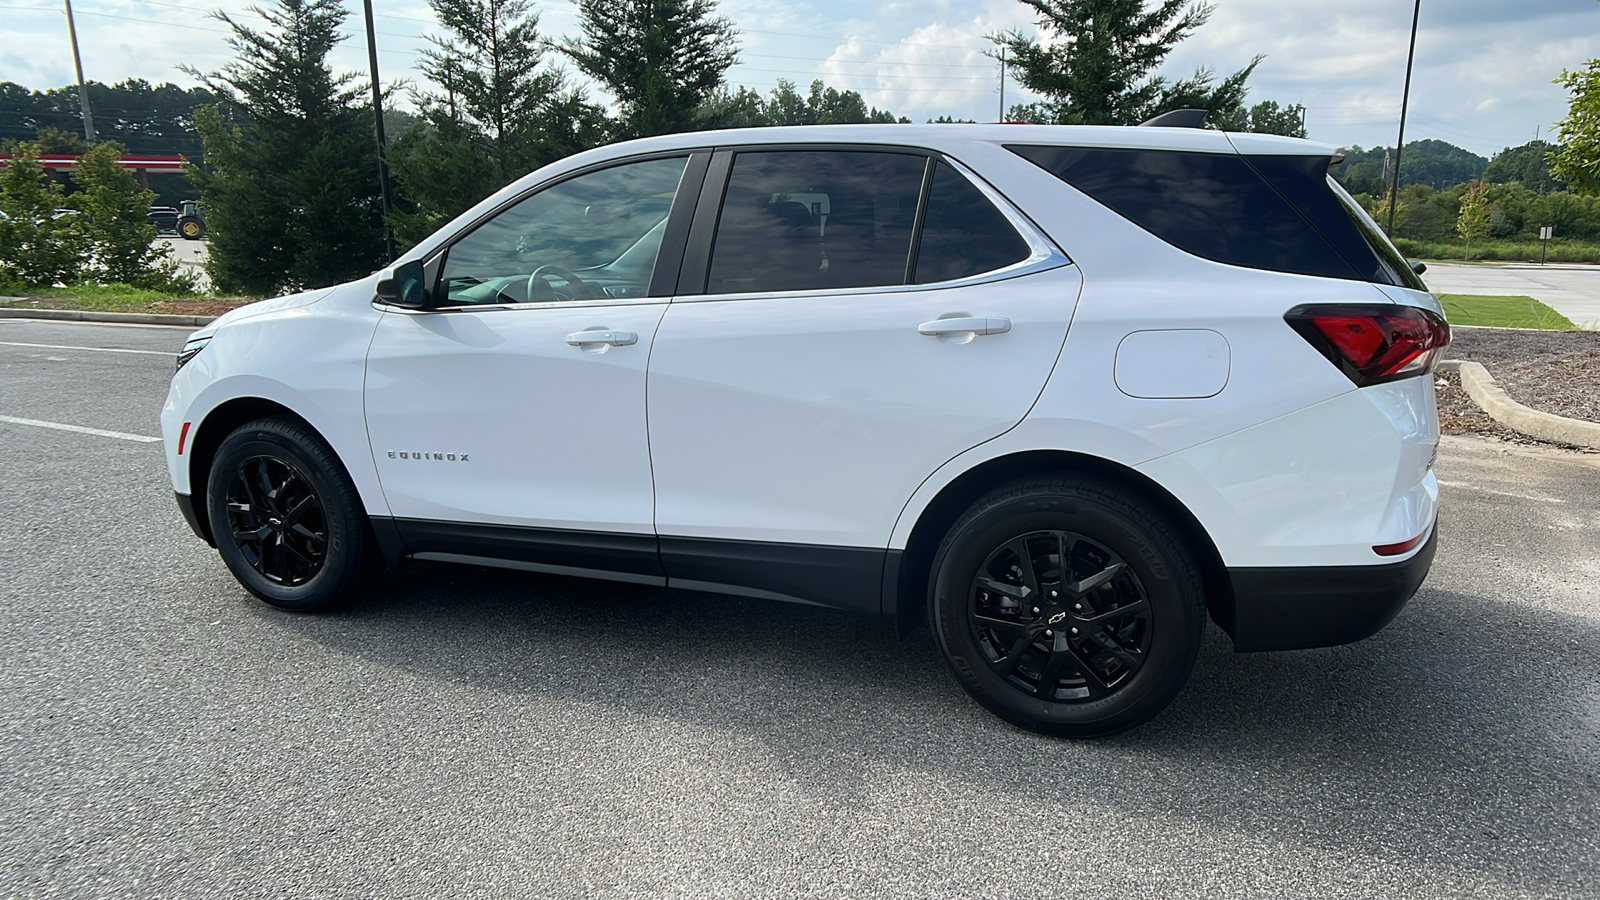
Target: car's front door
{"type": "Point", "coordinates": [864, 317]}
{"type": "Point", "coordinates": [508, 421]}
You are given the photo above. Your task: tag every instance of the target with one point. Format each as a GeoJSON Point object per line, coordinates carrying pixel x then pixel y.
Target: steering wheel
{"type": "Point", "coordinates": [575, 284]}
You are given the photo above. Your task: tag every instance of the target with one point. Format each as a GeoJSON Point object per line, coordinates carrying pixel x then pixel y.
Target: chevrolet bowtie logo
{"type": "Point", "coordinates": [421, 454]}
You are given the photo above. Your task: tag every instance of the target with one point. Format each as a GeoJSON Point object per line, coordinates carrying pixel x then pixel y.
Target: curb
{"type": "Point", "coordinates": [75, 315]}
{"type": "Point", "coordinates": [1483, 390]}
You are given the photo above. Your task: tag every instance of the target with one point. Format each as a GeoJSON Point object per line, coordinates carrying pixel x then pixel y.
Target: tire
{"type": "Point", "coordinates": [286, 517]}
{"type": "Point", "coordinates": [1084, 650]}
{"type": "Point", "coordinates": [191, 228]}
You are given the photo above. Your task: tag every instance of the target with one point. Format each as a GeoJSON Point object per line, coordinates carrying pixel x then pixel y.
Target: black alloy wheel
{"type": "Point", "coordinates": [1061, 616]}
{"type": "Point", "coordinates": [277, 520]}
{"type": "Point", "coordinates": [287, 519]}
{"type": "Point", "coordinates": [1068, 606]}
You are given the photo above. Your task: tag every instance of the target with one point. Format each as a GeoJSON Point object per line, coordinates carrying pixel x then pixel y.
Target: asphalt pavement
{"type": "Point", "coordinates": [478, 733]}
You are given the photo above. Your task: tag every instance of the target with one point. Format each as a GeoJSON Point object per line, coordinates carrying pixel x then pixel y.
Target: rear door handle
{"type": "Point", "coordinates": [966, 325]}
{"type": "Point", "coordinates": [602, 336]}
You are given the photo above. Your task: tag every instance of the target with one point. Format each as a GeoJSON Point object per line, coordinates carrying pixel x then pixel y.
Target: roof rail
{"type": "Point", "coordinates": [1177, 118]}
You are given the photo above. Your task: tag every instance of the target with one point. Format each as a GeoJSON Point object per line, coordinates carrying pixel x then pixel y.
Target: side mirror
{"type": "Point", "coordinates": [1418, 267]}
{"type": "Point", "coordinates": [402, 286]}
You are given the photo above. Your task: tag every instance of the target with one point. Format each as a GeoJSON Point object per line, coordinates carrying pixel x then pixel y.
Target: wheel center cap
{"type": "Point", "coordinates": [275, 522]}
{"type": "Point", "coordinates": [1058, 618]}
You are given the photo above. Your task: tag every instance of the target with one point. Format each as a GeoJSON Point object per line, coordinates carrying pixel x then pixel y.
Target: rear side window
{"type": "Point", "coordinates": [962, 233]}
{"type": "Point", "coordinates": [1213, 205]}
{"type": "Point", "coordinates": [808, 220]}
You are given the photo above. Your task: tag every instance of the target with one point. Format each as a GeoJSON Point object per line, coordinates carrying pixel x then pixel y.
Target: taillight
{"type": "Point", "coordinates": [1373, 344]}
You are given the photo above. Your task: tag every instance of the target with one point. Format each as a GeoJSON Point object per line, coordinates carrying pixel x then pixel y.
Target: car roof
{"type": "Point", "coordinates": [1112, 136]}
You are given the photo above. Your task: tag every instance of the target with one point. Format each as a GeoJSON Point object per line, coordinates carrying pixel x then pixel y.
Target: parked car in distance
{"type": "Point", "coordinates": [1061, 392]}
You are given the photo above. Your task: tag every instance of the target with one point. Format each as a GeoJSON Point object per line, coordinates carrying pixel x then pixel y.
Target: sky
{"type": "Point", "coordinates": [1483, 78]}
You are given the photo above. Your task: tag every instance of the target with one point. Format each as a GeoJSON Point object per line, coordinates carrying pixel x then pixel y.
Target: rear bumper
{"type": "Point", "coordinates": [1293, 608]}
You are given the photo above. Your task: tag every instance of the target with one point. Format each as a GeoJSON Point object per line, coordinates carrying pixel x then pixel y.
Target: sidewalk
{"type": "Point", "coordinates": [1573, 291]}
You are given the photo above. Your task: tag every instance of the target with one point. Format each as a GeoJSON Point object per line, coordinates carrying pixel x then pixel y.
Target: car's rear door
{"type": "Point", "coordinates": [509, 422]}
{"type": "Point", "coordinates": [848, 319]}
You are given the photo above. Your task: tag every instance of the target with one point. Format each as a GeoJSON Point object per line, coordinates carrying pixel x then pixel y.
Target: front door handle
{"type": "Point", "coordinates": [601, 337]}
{"type": "Point", "coordinates": [960, 325]}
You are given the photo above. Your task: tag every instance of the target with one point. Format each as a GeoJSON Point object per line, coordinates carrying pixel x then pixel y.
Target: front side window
{"type": "Point", "coordinates": [591, 237]}
{"type": "Point", "coordinates": [815, 219]}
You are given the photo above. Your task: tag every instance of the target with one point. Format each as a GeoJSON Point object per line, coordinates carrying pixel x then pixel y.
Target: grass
{"type": "Point", "coordinates": [1502, 312]}
{"type": "Point", "coordinates": [1502, 251]}
{"type": "Point", "coordinates": [112, 298]}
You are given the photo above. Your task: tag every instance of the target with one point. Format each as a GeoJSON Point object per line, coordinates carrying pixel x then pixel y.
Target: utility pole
{"type": "Point", "coordinates": [1405, 99]}
{"type": "Point", "coordinates": [83, 89]}
{"type": "Point", "coordinates": [1002, 117]}
{"type": "Point", "coordinates": [383, 148]}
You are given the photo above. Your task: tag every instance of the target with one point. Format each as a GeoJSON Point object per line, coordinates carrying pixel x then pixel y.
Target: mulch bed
{"type": "Point", "coordinates": [1552, 371]}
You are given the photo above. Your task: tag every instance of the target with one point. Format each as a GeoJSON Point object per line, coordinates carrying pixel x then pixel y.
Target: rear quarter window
{"type": "Point", "coordinates": [1215, 206]}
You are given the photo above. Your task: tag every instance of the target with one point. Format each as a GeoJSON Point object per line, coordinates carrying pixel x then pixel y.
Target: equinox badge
{"type": "Point", "coordinates": [416, 454]}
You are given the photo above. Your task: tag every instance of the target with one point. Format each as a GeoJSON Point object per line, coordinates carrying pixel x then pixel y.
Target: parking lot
{"type": "Point", "coordinates": [471, 732]}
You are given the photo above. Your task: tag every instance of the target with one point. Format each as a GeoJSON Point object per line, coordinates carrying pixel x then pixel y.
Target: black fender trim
{"type": "Point", "coordinates": [186, 506]}
{"type": "Point", "coordinates": [1296, 608]}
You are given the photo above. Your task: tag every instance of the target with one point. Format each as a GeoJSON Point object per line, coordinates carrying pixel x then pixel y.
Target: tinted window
{"type": "Point", "coordinates": [804, 220]}
{"type": "Point", "coordinates": [592, 236]}
{"type": "Point", "coordinates": [962, 233]}
{"type": "Point", "coordinates": [1209, 204]}
{"type": "Point", "coordinates": [1394, 265]}
{"type": "Point", "coordinates": [1303, 181]}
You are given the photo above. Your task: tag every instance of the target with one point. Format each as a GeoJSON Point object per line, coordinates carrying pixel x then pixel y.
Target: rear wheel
{"type": "Point", "coordinates": [1067, 607]}
{"type": "Point", "coordinates": [286, 517]}
{"type": "Point", "coordinates": [191, 228]}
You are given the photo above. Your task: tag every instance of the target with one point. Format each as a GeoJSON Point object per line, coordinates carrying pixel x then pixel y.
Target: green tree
{"type": "Point", "coordinates": [38, 246]}
{"type": "Point", "coordinates": [291, 194]}
{"type": "Point", "coordinates": [1098, 62]}
{"type": "Point", "coordinates": [660, 59]}
{"type": "Point", "coordinates": [114, 218]}
{"type": "Point", "coordinates": [1473, 220]}
{"type": "Point", "coordinates": [494, 113]}
{"type": "Point", "coordinates": [1267, 117]}
{"type": "Point", "coordinates": [1528, 165]}
{"type": "Point", "coordinates": [1577, 160]}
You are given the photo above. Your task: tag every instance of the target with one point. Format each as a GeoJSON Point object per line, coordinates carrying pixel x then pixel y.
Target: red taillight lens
{"type": "Point", "coordinates": [1373, 344]}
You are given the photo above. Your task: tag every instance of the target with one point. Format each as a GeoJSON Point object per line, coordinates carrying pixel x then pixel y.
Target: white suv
{"type": "Point", "coordinates": [1062, 390]}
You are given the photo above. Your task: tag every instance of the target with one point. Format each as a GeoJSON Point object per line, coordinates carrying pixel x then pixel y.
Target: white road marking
{"type": "Point", "coordinates": [121, 435]}
{"type": "Point", "coordinates": [96, 349]}
{"type": "Point", "coordinates": [1472, 487]}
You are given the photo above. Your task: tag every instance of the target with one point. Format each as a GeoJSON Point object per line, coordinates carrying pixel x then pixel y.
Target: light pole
{"type": "Point", "coordinates": [377, 111]}
{"type": "Point", "coordinates": [83, 89]}
{"type": "Point", "coordinates": [1405, 99]}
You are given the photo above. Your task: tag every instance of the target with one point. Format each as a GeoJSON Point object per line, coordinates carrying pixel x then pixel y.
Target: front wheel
{"type": "Point", "coordinates": [1067, 607]}
{"type": "Point", "coordinates": [286, 517]}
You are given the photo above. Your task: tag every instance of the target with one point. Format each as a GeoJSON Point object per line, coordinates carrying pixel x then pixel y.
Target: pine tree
{"type": "Point", "coordinates": [495, 112]}
{"type": "Point", "coordinates": [291, 196]}
{"type": "Point", "coordinates": [660, 59]}
{"type": "Point", "coordinates": [1099, 64]}
{"type": "Point", "coordinates": [1097, 69]}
